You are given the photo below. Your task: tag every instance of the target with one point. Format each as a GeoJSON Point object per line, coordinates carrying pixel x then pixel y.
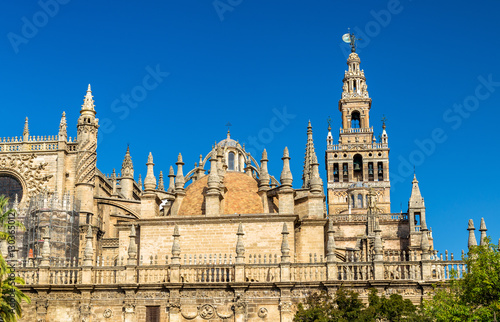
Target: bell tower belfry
{"type": "Point", "coordinates": [358, 162]}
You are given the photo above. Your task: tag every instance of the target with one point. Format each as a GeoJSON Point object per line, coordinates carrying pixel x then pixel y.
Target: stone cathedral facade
{"type": "Point", "coordinates": [224, 241]}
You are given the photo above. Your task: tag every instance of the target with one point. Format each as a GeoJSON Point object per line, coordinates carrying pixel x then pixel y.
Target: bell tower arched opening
{"type": "Point", "coordinates": [358, 167]}
{"type": "Point", "coordinates": [355, 120]}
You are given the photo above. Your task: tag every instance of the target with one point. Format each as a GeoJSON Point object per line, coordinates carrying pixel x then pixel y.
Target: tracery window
{"type": "Point", "coordinates": [230, 162]}
{"type": "Point", "coordinates": [10, 186]}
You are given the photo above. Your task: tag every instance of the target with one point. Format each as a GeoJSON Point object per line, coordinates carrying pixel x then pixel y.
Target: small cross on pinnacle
{"type": "Point", "coordinates": [329, 120]}
{"type": "Point", "coordinates": [228, 127]}
{"type": "Point", "coordinates": [383, 121]}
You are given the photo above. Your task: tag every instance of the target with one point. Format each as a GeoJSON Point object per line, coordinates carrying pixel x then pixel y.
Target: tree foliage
{"type": "Point", "coordinates": [346, 306]}
{"type": "Point", "coordinates": [11, 297]}
{"type": "Point", "coordinates": [476, 296]}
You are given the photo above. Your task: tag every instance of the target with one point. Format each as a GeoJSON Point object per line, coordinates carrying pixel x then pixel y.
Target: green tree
{"type": "Point", "coordinates": [476, 296]}
{"type": "Point", "coordinates": [11, 297]}
{"type": "Point", "coordinates": [346, 306]}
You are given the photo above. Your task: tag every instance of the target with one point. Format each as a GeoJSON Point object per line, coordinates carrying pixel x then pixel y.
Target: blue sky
{"type": "Point", "coordinates": [432, 69]}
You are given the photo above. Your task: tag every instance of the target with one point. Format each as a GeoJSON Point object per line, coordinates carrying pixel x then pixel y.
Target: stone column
{"type": "Point", "coordinates": [174, 306]}
{"type": "Point", "coordinates": [331, 258]}
{"type": "Point", "coordinates": [285, 256]}
{"type": "Point", "coordinates": [240, 306]}
{"type": "Point", "coordinates": [130, 268]}
{"type": "Point", "coordinates": [43, 276]}
{"type": "Point", "coordinates": [378, 260]}
{"type": "Point", "coordinates": [87, 258]}
{"type": "Point", "coordinates": [176, 257]}
{"type": "Point", "coordinates": [239, 267]}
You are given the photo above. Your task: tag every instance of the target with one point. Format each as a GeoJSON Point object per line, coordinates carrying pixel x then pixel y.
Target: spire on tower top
{"type": "Point", "coordinates": [127, 165]}
{"type": "Point", "coordinates": [416, 200]}
{"type": "Point", "coordinates": [88, 102]}
{"type": "Point", "coordinates": [308, 158]}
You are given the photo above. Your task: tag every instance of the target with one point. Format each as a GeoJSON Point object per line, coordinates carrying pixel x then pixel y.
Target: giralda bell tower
{"type": "Point", "coordinates": [358, 166]}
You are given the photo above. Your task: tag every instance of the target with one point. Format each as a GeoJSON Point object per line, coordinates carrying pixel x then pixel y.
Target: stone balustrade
{"type": "Point", "coordinates": [35, 143]}
{"type": "Point", "coordinates": [211, 268]}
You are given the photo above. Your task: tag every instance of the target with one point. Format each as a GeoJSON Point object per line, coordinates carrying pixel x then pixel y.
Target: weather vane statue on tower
{"type": "Point", "coordinates": [350, 38]}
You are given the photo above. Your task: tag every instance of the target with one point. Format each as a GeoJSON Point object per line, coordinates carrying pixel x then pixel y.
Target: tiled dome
{"type": "Point", "coordinates": [240, 196]}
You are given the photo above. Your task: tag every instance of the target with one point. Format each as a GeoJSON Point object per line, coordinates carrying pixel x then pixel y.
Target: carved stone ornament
{"type": "Point", "coordinates": [207, 311]}
{"type": "Point", "coordinates": [285, 306]}
{"type": "Point", "coordinates": [23, 166]}
{"type": "Point", "coordinates": [107, 313]}
{"type": "Point", "coordinates": [174, 305]}
{"type": "Point", "coordinates": [262, 313]}
{"type": "Point", "coordinates": [129, 308]}
{"type": "Point", "coordinates": [240, 307]}
{"type": "Point", "coordinates": [85, 310]}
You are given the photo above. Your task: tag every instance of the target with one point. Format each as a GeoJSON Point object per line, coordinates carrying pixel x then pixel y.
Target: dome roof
{"type": "Point", "coordinates": [240, 196]}
{"type": "Point", "coordinates": [228, 141]}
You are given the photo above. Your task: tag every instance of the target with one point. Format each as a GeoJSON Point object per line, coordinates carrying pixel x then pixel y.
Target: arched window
{"type": "Point", "coordinates": [230, 162]}
{"type": "Point", "coordinates": [10, 187]}
{"type": "Point", "coordinates": [360, 201]}
{"type": "Point", "coordinates": [355, 120]}
{"type": "Point", "coordinates": [353, 204]}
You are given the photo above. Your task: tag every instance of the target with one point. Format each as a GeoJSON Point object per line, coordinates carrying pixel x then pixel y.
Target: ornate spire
{"type": "Point", "coordinates": [132, 247]}
{"type": "Point", "coordinates": [171, 180]}
{"type": "Point", "coordinates": [88, 103]}
{"type": "Point", "coordinates": [139, 182]}
{"type": "Point", "coordinates": [286, 175]}
{"type": "Point", "coordinates": [89, 250]}
{"type": "Point", "coordinates": [63, 132]}
{"type": "Point", "coordinates": [472, 236]}
{"type": "Point", "coordinates": [150, 180]}
{"type": "Point", "coordinates": [416, 200]}
{"type": "Point", "coordinates": [127, 165]}
{"type": "Point", "coordinates": [26, 131]}
{"type": "Point", "coordinates": [179, 179]}
{"type": "Point", "coordinates": [308, 158]}
{"type": "Point", "coordinates": [355, 86]}
{"type": "Point", "coordinates": [482, 229]}
{"type": "Point", "coordinates": [213, 177]}
{"type": "Point", "coordinates": [264, 175]}
{"type": "Point", "coordinates": [330, 244]}
{"type": "Point", "coordinates": [329, 137]}
{"type": "Point", "coordinates": [316, 184]}
{"type": "Point", "coordinates": [285, 249]}
{"type": "Point", "coordinates": [240, 248]}
{"type": "Point", "coordinates": [161, 186]}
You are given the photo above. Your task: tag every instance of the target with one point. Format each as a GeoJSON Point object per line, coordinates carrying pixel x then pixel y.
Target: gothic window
{"type": "Point", "coordinates": [352, 201]}
{"type": "Point", "coordinates": [355, 120]}
{"type": "Point", "coordinates": [231, 161]}
{"type": "Point", "coordinates": [10, 186]}
{"type": "Point", "coordinates": [360, 201]}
